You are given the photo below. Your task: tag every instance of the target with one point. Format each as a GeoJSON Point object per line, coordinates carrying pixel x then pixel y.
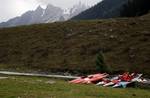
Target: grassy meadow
{"type": "Point", "coordinates": [38, 87]}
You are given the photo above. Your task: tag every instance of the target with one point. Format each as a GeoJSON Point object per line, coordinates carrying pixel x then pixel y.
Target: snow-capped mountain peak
{"type": "Point", "coordinates": [40, 15]}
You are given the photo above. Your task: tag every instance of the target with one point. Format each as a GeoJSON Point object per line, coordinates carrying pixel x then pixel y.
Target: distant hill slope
{"type": "Point", "coordinates": [116, 8]}
{"type": "Point", "coordinates": [73, 46]}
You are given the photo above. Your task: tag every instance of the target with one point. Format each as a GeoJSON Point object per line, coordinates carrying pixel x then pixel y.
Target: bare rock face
{"type": "Point", "coordinates": [40, 15]}
{"type": "Point", "coordinates": [52, 13]}
{"type": "Point", "coordinates": [48, 15]}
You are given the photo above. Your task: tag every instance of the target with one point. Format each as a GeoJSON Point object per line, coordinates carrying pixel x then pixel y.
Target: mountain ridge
{"type": "Point", "coordinates": [50, 14]}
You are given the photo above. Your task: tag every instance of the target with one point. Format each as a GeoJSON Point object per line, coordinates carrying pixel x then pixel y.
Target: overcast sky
{"type": "Point", "coordinates": [13, 8]}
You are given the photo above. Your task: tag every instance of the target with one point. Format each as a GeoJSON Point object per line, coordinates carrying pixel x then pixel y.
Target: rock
{"type": "Point", "coordinates": [105, 34]}
{"type": "Point", "coordinates": [132, 56]}
{"type": "Point", "coordinates": [112, 37]}
{"type": "Point", "coordinates": [121, 40]}
{"type": "Point", "coordinates": [110, 30]}
{"type": "Point", "coordinates": [70, 34]}
{"type": "Point", "coordinates": [90, 31]}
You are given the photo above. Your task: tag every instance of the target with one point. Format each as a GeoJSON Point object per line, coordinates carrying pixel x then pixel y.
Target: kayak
{"type": "Point", "coordinates": [89, 79]}
{"type": "Point", "coordinates": [98, 77]}
{"type": "Point", "coordinates": [109, 84]}
{"type": "Point", "coordinates": [137, 77]}
{"type": "Point", "coordinates": [121, 84]}
{"type": "Point", "coordinates": [113, 82]}
{"type": "Point", "coordinates": [78, 80]}
{"type": "Point", "coordinates": [104, 81]}
{"type": "Point", "coordinates": [100, 83]}
{"type": "Point", "coordinates": [94, 78]}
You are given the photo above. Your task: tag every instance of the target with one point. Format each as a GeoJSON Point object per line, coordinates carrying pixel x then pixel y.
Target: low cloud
{"type": "Point", "coordinates": [67, 3]}
{"type": "Point", "coordinates": [44, 2]}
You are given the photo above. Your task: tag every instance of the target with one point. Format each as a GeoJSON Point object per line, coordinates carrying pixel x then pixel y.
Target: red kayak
{"type": "Point", "coordinates": [78, 80]}
{"type": "Point", "coordinates": [89, 79]}
{"type": "Point", "coordinates": [96, 78]}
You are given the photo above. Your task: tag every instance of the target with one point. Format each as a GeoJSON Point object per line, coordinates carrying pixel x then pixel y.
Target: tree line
{"type": "Point", "coordinates": [135, 8]}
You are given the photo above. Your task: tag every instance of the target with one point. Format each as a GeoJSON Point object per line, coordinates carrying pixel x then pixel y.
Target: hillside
{"type": "Point", "coordinates": [73, 45]}
{"type": "Point", "coordinates": [118, 8]}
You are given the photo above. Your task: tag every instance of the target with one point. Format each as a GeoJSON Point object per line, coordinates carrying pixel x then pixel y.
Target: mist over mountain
{"type": "Point", "coordinates": [77, 9]}
{"type": "Point", "coordinates": [49, 14]}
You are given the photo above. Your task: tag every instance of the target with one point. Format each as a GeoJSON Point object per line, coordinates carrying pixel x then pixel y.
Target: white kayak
{"type": "Point", "coordinates": [100, 83]}
{"type": "Point", "coordinates": [121, 84]}
{"type": "Point", "coordinates": [109, 84]}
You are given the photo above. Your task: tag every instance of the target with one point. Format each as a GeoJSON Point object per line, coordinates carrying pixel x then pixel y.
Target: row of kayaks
{"type": "Point", "coordinates": [103, 79]}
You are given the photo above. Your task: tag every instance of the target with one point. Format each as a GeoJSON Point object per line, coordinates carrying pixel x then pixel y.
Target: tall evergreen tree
{"type": "Point", "coordinates": [100, 63]}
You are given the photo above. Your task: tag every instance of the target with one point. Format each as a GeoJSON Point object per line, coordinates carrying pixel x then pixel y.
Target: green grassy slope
{"type": "Point", "coordinates": [25, 87]}
{"type": "Point", "coordinates": [74, 45]}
